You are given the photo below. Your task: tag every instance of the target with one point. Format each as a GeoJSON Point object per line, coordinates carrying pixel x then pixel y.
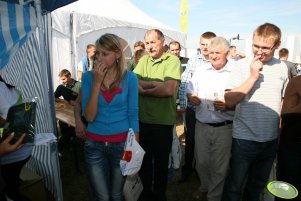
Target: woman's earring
{"type": "Point", "coordinates": [117, 60]}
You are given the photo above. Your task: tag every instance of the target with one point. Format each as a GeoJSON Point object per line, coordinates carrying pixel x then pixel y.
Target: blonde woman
{"type": "Point", "coordinates": [110, 105]}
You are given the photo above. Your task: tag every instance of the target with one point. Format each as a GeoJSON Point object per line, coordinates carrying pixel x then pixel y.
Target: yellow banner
{"type": "Point", "coordinates": [184, 16]}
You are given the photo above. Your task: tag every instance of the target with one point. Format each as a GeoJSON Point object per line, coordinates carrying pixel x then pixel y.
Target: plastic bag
{"type": "Point", "coordinates": [132, 157]}
{"type": "Point", "coordinates": [175, 155]}
{"type": "Point", "coordinates": [21, 119]}
{"type": "Point", "coordinates": [132, 188]}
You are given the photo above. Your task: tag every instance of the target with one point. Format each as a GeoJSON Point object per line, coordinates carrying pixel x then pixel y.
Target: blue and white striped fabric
{"type": "Point", "coordinates": [16, 24]}
{"type": "Point", "coordinates": [24, 71]}
{"type": "Point", "coordinates": [21, 66]}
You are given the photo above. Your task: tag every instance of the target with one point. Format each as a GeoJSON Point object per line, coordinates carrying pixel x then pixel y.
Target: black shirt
{"type": "Point", "coordinates": [66, 91]}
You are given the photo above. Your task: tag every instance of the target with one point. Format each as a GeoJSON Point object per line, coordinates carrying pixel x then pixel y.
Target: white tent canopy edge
{"type": "Point", "coordinates": [76, 25]}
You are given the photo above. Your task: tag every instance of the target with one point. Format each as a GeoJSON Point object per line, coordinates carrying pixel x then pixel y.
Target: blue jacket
{"type": "Point", "coordinates": [120, 114]}
{"type": "Point", "coordinates": [85, 62]}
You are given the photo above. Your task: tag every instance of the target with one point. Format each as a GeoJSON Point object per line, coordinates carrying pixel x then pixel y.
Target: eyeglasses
{"type": "Point", "coordinates": [204, 44]}
{"type": "Point", "coordinates": [263, 49]}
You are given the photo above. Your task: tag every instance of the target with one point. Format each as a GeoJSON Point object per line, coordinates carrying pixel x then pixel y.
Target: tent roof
{"type": "Point", "coordinates": [122, 10]}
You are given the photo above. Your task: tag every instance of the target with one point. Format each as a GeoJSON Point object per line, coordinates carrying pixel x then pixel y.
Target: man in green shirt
{"type": "Point", "coordinates": [159, 75]}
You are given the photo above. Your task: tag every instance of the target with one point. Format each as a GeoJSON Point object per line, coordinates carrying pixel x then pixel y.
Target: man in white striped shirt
{"type": "Point", "coordinates": [255, 89]}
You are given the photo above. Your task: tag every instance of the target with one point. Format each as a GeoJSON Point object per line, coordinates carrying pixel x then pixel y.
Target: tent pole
{"type": "Point", "coordinates": [48, 87]}
{"type": "Point", "coordinates": [72, 46]}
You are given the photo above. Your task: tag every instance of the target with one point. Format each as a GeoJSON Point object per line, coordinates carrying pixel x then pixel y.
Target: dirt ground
{"type": "Point", "coordinates": [76, 187]}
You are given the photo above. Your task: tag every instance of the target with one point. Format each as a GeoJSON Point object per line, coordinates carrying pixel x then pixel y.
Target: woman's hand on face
{"type": "Point", "coordinates": [100, 71]}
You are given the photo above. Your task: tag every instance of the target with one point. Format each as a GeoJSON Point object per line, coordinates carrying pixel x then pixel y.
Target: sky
{"type": "Point", "coordinates": [226, 17]}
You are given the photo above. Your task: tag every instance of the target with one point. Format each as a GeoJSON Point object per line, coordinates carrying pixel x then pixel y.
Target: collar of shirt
{"type": "Point", "coordinates": [164, 56]}
{"type": "Point", "coordinates": [205, 85]}
{"type": "Point", "coordinates": [227, 67]}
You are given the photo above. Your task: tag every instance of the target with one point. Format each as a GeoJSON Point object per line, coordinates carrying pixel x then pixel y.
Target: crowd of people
{"type": "Point", "coordinates": [239, 111]}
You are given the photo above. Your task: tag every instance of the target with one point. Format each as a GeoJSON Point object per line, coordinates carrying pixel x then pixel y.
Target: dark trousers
{"type": "Point", "coordinates": [156, 140]}
{"type": "Point", "coordinates": [189, 141]}
{"type": "Point", "coordinates": [289, 168]}
{"type": "Point", "coordinates": [251, 161]}
{"type": "Point", "coordinates": [67, 132]}
{"type": "Point", "coordinates": [289, 152]}
{"type": "Point", "coordinates": [11, 176]}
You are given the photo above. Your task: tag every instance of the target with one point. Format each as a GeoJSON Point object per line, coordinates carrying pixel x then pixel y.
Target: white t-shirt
{"type": "Point", "coordinates": [257, 115]}
{"type": "Point", "coordinates": [209, 84]}
{"type": "Point", "coordinates": [80, 65]}
{"type": "Point", "coordinates": [8, 98]}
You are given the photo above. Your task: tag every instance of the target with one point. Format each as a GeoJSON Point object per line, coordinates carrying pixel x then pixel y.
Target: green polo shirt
{"type": "Point", "coordinates": [158, 110]}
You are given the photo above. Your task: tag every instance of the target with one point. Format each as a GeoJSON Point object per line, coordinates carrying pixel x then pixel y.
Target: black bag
{"type": "Point", "coordinates": [21, 119]}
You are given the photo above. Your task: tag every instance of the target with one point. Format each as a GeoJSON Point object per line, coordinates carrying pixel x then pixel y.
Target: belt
{"type": "Point", "coordinates": [220, 124]}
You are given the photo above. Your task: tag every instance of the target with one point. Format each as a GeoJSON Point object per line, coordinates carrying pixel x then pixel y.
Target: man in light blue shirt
{"type": "Point", "coordinates": [186, 108]}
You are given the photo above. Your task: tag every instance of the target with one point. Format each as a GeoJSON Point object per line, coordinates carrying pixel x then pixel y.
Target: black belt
{"type": "Point", "coordinates": [220, 124]}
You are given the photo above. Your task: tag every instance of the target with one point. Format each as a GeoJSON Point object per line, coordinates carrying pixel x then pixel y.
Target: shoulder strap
{"type": "Point", "coordinates": [20, 99]}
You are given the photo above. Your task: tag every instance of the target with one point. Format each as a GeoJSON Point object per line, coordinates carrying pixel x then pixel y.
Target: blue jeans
{"type": "Point", "coordinates": [251, 161]}
{"type": "Point", "coordinates": [103, 169]}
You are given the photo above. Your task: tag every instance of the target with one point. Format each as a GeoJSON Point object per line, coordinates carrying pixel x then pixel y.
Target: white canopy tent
{"type": "Point", "coordinates": [82, 22]}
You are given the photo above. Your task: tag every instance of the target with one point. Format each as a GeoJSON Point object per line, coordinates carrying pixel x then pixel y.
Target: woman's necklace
{"type": "Point", "coordinates": [109, 79]}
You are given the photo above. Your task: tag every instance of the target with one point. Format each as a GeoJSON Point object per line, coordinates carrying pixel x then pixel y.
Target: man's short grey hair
{"type": "Point", "coordinates": [159, 33]}
{"type": "Point", "coordinates": [219, 41]}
